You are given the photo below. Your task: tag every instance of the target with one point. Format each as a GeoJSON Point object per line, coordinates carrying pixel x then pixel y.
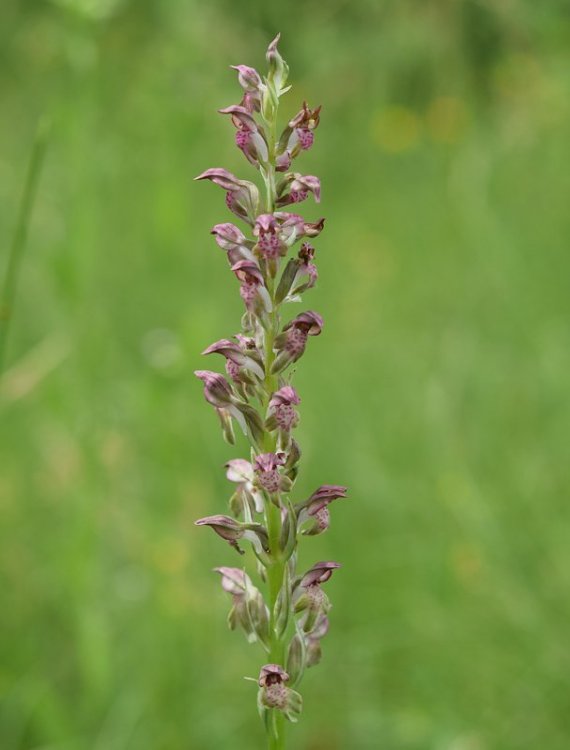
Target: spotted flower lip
{"type": "Point", "coordinates": [250, 137]}
{"type": "Point", "coordinates": [299, 134]}
{"type": "Point", "coordinates": [319, 573]}
{"type": "Point", "coordinates": [266, 466]}
{"type": "Point", "coordinates": [291, 343]}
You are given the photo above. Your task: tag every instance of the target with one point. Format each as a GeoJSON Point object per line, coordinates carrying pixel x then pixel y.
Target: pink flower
{"type": "Point", "coordinates": [292, 342]}
{"type": "Point", "coordinates": [295, 188]}
{"type": "Point", "coordinates": [241, 358]}
{"type": "Point", "coordinates": [281, 411]}
{"type": "Point", "coordinates": [252, 286]}
{"type": "Point", "coordinates": [249, 610]}
{"type": "Point", "coordinates": [232, 531]}
{"type": "Point", "coordinates": [269, 244]}
{"type": "Point", "coordinates": [231, 239]}
{"type": "Point", "coordinates": [316, 509]}
{"type": "Point", "coordinates": [242, 196]}
{"type": "Point", "coordinates": [266, 467]}
{"type": "Point", "coordinates": [249, 136]}
{"type": "Point", "coordinates": [299, 134]}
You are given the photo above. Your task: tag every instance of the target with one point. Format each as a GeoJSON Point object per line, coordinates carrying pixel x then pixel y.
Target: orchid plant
{"type": "Point", "coordinates": [291, 619]}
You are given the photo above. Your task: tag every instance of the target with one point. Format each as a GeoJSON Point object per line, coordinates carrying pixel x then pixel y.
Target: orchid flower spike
{"type": "Point", "coordinates": [274, 261]}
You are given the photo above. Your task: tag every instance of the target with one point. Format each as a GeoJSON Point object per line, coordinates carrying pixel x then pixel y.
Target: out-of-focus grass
{"type": "Point", "coordinates": [438, 392]}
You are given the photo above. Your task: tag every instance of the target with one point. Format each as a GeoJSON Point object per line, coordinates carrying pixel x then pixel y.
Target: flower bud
{"type": "Point", "coordinates": [278, 68]}
{"type": "Point", "coordinates": [249, 79]}
{"type": "Point", "coordinates": [217, 390]}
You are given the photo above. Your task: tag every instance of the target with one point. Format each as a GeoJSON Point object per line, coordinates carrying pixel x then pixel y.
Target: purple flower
{"type": "Point", "coordinates": [217, 390]}
{"type": "Point", "coordinates": [250, 81]}
{"type": "Point", "coordinates": [281, 411]}
{"type": "Point", "coordinates": [231, 239]}
{"type": "Point", "coordinates": [268, 241]}
{"type": "Point", "coordinates": [272, 674]}
{"type": "Point", "coordinates": [292, 342]}
{"type": "Point", "coordinates": [240, 358]}
{"type": "Point", "coordinates": [293, 226]}
{"type": "Point", "coordinates": [298, 135]}
{"type": "Point", "coordinates": [252, 286]}
{"type": "Point", "coordinates": [248, 610]}
{"type": "Point", "coordinates": [232, 531]}
{"type": "Point", "coordinates": [299, 275]}
{"type": "Point", "coordinates": [308, 597]}
{"type": "Point", "coordinates": [266, 467]}
{"type": "Point", "coordinates": [249, 136]}
{"type": "Point", "coordinates": [274, 693]}
{"type": "Point", "coordinates": [241, 472]}
{"type": "Point", "coordinates": [316, 508]}
{"type": "Point", "coordinates": [242, 196]}
{"type": "Point", "coordinates": [234, 580]}
{"type": "Point", "coordinates": [319, 573]}
{"type": "Point", "coordinates": [295, 188]}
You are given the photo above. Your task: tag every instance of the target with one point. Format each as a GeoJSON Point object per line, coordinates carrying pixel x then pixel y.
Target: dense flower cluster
{"type": "Point", "coordinates": [257, 393]}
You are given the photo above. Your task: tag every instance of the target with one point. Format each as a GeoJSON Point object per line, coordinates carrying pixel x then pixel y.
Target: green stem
{"type": "Point", "coordinates": [276, 568]}
{"type": "Point", "coordinates": [9, 287]}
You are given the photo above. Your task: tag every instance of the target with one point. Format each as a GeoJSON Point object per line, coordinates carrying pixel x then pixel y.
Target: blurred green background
{"type": "Point", "coordinates": [438, 392]}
